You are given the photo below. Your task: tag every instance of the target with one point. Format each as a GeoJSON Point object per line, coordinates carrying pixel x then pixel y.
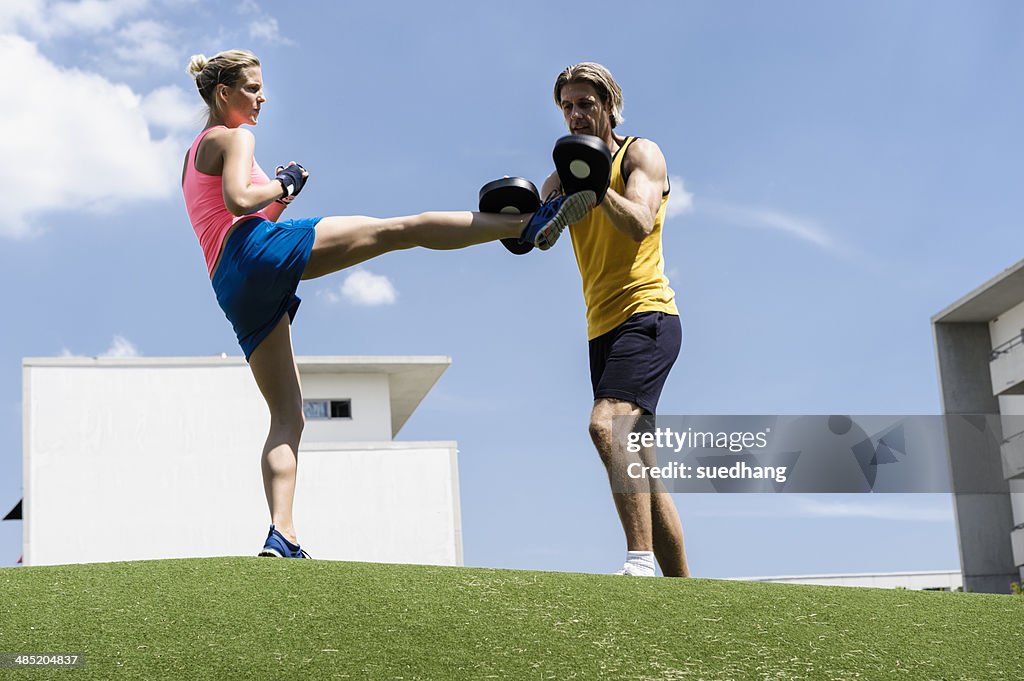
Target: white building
{"type": "Point", "coordinates": [146, 458]}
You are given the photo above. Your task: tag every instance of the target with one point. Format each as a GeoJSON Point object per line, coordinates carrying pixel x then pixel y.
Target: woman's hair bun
{"type": "Point", "coordinates": [197, 64]}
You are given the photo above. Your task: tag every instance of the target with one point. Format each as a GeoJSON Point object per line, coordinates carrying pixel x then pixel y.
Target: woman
{"type": "Point", "coordinates": [255, 262]}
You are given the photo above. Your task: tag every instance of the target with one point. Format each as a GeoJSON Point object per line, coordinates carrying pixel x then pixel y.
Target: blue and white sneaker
{"type": "Point", "coordinates": [554, 215]}
{"type": "Point", "coordinates": [277, 546]}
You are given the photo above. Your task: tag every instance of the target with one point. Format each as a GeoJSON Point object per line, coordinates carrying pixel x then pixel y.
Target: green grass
{"type": "Point", "coordinates": [249, 618]}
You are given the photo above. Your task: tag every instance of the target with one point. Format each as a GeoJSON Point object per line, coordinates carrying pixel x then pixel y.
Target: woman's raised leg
{"type": "Point", "coordinates": [345, 241]}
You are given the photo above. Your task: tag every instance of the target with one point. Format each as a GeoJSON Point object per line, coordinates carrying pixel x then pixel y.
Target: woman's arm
{"type": "Point", "coordinates": [241, 196]}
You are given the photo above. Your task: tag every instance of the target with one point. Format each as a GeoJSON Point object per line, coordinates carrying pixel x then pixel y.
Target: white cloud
{"type": "Point", "coordinates": [362, 287]}
{"type": "Point", "coordinates": [93, 15]}
{"type": "Point", "coordinates": [147, 43]}
{"type": "Point", "coordinates": [679, 200]}
{"type": "Point", "coordinates": [266, 28]}
{"type": "Point", "coordinates": [262, 26]}
{"type": "Point", "coordinates": [73, 139]}
{"type": "Point", "coordinates": [762, 218]}
{"type": "Point", "coordinates": [121, 347]}
{"type": "Point", "coordinates": [20, 13]}
{"type": "Point", "coordinates": [61, 19]}
{"type": "Point", "coordinates": [171, 108]}
{"type": "Point", "coordinates": [138, 46]}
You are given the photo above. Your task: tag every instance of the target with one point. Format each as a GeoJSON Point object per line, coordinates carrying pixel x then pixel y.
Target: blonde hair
{"type": "Point", "coordinates": [225, 68]}
{"type": "Point", "coordinates": [602, 81]}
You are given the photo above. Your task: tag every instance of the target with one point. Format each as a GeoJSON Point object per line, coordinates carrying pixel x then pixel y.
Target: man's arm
{"type": "Point", "coordinates": [633, 213]}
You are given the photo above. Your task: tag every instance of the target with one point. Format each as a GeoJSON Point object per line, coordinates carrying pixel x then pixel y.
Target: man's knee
{"type": "Point", "coordinates": [602, 433]}
{"type": "Point", "coordinates": [600, 428]}
{"type": "Point", "coordinates": [607, 411]}
{"type": "Point", "coordinates": [611, 420]}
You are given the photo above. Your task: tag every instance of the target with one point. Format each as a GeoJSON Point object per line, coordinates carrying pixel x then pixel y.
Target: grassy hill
{"type": "Point", "coordinates": [250, 618]}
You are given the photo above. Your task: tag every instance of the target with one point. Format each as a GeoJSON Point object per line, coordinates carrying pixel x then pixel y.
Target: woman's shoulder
{"type": "Point", "coordinates": [222, 136]}
{"type": "Point", "coordinates": [218, 143]}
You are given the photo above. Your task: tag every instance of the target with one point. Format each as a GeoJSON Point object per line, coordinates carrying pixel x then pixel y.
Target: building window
{"type": "Point", "coordinates": [327, 409]}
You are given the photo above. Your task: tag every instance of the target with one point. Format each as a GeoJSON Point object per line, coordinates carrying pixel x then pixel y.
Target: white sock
{"type": "Point", "coordinates": [641, 562]}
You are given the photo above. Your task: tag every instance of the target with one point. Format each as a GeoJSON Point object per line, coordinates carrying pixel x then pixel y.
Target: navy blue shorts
{"type": "Point", "coordinates": [259, 270]}
{"type": "Point", "coordinates": [632, 361]}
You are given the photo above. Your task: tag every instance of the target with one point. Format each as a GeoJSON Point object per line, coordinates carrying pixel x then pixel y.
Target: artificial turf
{"type": "Point", "coordinates": [251, 618]}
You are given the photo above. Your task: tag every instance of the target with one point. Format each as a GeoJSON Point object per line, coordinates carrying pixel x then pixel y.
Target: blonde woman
{"type": "Point", "coordinates": [256, 261]}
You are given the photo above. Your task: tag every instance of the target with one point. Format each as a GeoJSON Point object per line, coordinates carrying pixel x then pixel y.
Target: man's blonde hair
{"type": "Point", "coordinates": [602, 81]}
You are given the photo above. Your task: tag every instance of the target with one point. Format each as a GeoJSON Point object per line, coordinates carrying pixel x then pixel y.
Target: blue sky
{"type": "Point", "coordinates": [841, 172]}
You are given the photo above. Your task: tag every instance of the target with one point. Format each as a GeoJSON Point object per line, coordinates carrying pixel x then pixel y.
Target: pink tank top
{"type": "Point", "coordinates": [204, 201]}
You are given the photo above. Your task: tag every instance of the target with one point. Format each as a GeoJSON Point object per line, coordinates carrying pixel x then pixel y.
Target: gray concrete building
{"type": "Point", "coordinates": [979, 344]}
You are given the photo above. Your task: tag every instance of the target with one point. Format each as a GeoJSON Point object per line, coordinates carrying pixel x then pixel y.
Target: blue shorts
{"type": "Point", "coordinates": [259, 270]}
{"type": "Point", "coordinates": [632, 361]}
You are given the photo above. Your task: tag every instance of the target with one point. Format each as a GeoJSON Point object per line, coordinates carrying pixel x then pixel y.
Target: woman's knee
{"type": "Point", "coordinates": [399, 234]}
{"type": "Point", "coordinates": [288, 420]}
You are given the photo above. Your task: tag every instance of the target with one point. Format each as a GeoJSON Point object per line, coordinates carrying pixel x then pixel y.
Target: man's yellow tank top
{"type": "Point", "coordinates": [620, 276]}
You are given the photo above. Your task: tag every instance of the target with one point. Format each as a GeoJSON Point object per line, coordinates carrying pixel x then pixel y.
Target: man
{"type": "Point", "coordinates": [632, 321]}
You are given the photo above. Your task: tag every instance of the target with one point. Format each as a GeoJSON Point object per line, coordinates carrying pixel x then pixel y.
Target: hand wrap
{"type": "Point", "coordinates": [292, 179]}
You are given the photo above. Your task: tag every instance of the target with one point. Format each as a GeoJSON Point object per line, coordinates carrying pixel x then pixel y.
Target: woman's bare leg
{"type": "Point", "coordinates": [345, 241]}
{"type": "Point", "coordinates": [273, 366]}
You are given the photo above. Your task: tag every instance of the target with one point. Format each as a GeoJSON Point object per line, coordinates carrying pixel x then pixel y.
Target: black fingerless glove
{"type": "Point", "coordinates": [291, 179]}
